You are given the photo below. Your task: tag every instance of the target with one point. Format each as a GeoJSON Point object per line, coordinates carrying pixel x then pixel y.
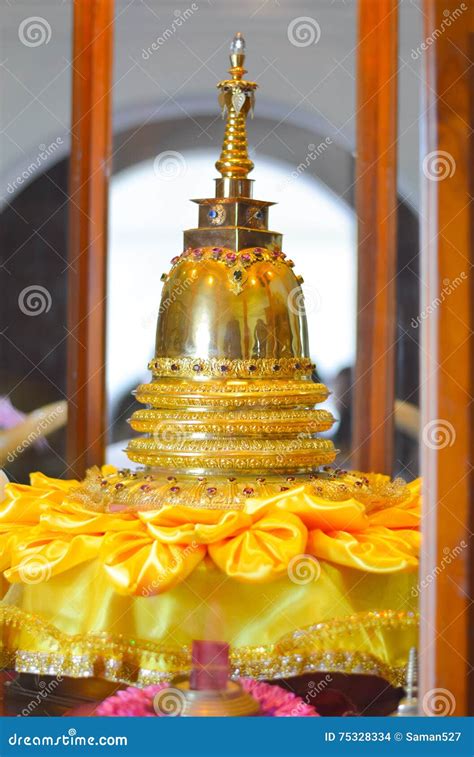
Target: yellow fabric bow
{"type": "Point", "coordinates": [44, 532]}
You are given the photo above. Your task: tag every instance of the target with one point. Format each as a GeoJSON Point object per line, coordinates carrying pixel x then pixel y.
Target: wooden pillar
{"type": "Point", "coordinates": [447, 358]}
{"type": "Point", "coordinates": [89, 172]}
{"type": "Point", "coordinates": [376, 205]}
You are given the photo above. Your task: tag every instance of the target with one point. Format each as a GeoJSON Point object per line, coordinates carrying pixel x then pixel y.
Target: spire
{"type": "Point", "coordinates": [236, 98]}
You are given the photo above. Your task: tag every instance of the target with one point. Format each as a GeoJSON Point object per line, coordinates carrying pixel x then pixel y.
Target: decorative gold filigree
{"type": "Point", "coordinates": [305, 461]}
{"type": "Point", "coordinates": [242, 422]}
{"type": "Point", "coordinates": [231, 446]}
{"type": "Point", "coordinates": [228, 394]}
{"type": "Point", "coordinates": [258, 368]}
{"type": "Point", "coordinates": [144, 490]}
{"type": "Point", "coordinates": [220, 214]}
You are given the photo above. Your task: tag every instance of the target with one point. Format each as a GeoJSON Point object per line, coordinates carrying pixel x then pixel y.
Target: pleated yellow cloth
{"type": "Point", "coordinates": [295, 583]}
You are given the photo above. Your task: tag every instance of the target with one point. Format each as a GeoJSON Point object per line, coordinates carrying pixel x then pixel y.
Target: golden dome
{"type": "Point", "coordinates": [232, 389]}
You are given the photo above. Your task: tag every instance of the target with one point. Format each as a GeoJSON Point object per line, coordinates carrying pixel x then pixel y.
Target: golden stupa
{"type": "Point", "coordinates": [235, 526]}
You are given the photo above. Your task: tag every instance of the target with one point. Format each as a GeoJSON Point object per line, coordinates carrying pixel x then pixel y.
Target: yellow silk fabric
{"type": "Point", "coordinates": [294, 583]}
{"type": "Point", "coordinates": [44, 533]}
{"type": "Point", "coordinates": [352, 622]}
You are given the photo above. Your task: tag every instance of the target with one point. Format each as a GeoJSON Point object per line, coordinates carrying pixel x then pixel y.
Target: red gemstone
{"type": "Point", "coordinates": [211, 490]}
{"type": "Point", "coordinates": [104, 482]}
{"type": "Point", "coordinates": [231, 256]}
{"type": "Point", "coordinates": [283, 488]}
{"type": "Point", "coordinates": [231, 479]}
{"type": "Point", "coordinates": [119, 486]}
{"type": "Point", "coordinates": [174, 367]}
{"type": "Point", "coordinates": [197, 367]}
{"type": "Point", "coordinates": [175, 259]}
{"type": "Point", "coordinates": [145, 487]}
{"type": "Point", "coordinates": [175, 489]}
{"type": "Point", "coordinates": [245, 257]}
{"type": "Point", "coordinates": [197, 254]}
{"type": "Point", "coordinates": [248, 491]}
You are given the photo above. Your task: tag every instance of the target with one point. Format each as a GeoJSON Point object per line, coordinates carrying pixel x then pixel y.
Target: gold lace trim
{"type": "Point", "coordinates": [140, 662]}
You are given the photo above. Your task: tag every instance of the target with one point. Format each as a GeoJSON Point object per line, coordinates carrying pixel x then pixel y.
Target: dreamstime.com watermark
{"type": "Point", "coordinates": [438, 703]}
{"type": "Point", "coordinates": [66, 739]}
{"type": "Point", "coordinates": [304, 31]}
{"type": "Point", "coordinates": [34, 31]}
{"type": "Point", "coordinates": [176, 292]}
{"type": "Point", "coordinates": [448, 288]}
{"type": "Point", "coordinates": [169, 571]}
{"type": "Point", "coordinates": [45, 152]}
{"type": "Point", "coordinates": [45, 689]}
{"type": "Point", "coordinates": [44, 422]}
{"type": "Point", "coordinates": [303, 300]}
{"type": "Point", "coordinates": [449, 18]}
{"type": "Point", "coordinates": [314, 152]}
{"type": "Point", "coordinates": [169, 702]}
{"type": "Point", "coordinates": [180, 18]}
{"type": "Point", "coordinates": [35, 300]}
{"type": "Point", "coordinates": [170, 165]}
{"type": "Point", "coordinates": [438, 165]}
{"type": "Point", "coordinates": [449, 556]}
{"type": "Point", "coordinates": [34, 569]}
{"type": "Point", "coordinates": [314, 689]}
{"type": "Point", "coordinates": [303, 569]}
{"type": "Point", "coordinates": [438, 434]}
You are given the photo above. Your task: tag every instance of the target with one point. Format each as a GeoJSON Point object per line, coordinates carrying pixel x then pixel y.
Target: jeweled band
{"type": "Point", "coordinates": [188, 367]}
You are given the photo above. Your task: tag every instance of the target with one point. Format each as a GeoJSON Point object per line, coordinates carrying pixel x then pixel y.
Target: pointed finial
{"type": "Point", "coordinates": [236, 99]}
{"type": "Point", "coordinates": [238, 44]}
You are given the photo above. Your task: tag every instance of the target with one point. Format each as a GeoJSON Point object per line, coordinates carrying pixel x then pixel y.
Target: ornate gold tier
{"type": "Point", "coordinates": [232, 394]}
{"type": "Point", "coordinates": [232, 389]}
{"type": "Point", "coordinates": [234, 423]}
{"type": "Point", "coordinates": [236, 455]}
{"type": "Point", "coordinates": [130, 491]}
{"type": "Point", "coordinates": [231, 425]}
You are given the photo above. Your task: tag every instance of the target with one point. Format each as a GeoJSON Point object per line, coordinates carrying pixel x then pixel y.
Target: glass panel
{"type": "Point", "coordinates": [35, 86]}
{"type": "Point", "coordinates": [408, 282]}
{"type": "Point", "coordinates": [168, 134]}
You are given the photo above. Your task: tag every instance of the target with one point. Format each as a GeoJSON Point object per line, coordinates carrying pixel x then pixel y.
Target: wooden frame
{"type": "Point", "coordinates": [376, 205]}
{"type": "Point", "coordinates": [90, 153]}
{"type": "Point", "coordinates": [447, 251]}
{"type": "Point", "coordinates": [447, 360]}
